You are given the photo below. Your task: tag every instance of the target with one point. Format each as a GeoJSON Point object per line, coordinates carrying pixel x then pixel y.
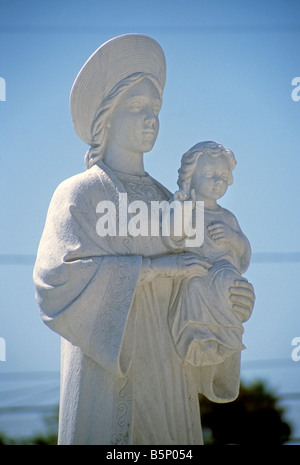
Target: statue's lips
{"type": "Point", "coordinates": [218, 190]}
{"type": "Point", "coordinates": [149, 134]}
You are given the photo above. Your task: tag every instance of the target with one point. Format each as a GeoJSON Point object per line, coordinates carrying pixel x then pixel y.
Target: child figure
{"type": "Point", "coordinates": [211, 328]}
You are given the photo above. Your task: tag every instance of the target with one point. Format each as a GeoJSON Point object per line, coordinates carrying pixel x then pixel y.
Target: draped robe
{"type": "Point", "coordinates": [122, 381]}
{"type": "Point", "coordinates": [204, 327]}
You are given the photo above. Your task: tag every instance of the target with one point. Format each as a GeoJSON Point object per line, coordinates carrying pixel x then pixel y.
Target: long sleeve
{"type": "Point", "coordinates": [84, 292]}
{"type": "Point", "coordinates": [221, 383]}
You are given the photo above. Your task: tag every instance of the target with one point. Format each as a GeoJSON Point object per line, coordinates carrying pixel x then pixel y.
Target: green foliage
{"type": "Point", "coordinates": [253, 418]}
{"type": "Point", "coordinates": [48, 438]}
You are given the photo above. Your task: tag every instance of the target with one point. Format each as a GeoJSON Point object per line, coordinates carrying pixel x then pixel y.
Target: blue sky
{"type": "Point", "coordinates": [230, 67]}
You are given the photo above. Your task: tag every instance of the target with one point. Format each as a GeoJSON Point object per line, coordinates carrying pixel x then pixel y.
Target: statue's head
{"type": "Point", "coordinates": [197, 161]}
{"type": "Point", "coordinates": [119, 65]}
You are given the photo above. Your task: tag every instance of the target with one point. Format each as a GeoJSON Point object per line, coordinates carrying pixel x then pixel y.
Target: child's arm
{"type": "Point", "coordinates": [230, 234]}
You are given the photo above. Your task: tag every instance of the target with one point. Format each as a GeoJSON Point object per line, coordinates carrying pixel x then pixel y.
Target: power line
{"type": "Point", "coordinates": [290, 396]}
{"type": "Point", "coordinates": [159, 29]}
{"type": "Point", "coordinates": [29, 409]}
{"type": "Point", "coordinates": [275, 257]}
{"type": "Point", "coordinates": [269, 363]}
{"type": "Point", "coordinates": [29, 373]}
{"type": "Point", "coordinates": [17, 259]}
{"type": "Point", "coordinates": [42, 388]}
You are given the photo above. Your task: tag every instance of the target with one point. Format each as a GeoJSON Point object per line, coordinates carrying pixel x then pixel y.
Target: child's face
{"type": "Point", "coordinates": [211, 177]}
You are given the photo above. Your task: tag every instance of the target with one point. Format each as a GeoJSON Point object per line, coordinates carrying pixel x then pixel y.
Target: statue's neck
{"type": "Point", "coordinates": [125, 161]}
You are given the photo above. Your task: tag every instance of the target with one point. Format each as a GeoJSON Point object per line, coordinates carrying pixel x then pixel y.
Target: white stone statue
{"type": "Point", "coordinates": [109, 291]}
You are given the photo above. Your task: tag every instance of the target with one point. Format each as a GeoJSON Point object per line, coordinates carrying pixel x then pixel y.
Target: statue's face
{"type": "Point", "coordinates": [211, 177]}
{"type": "Point", "coordinates": [134, 122]}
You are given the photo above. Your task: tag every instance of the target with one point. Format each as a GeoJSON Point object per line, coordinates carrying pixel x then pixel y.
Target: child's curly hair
{"type": "Point", "coordinates": [190, 158]}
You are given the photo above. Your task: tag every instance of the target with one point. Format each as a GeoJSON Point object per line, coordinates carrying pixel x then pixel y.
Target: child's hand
{"type": "Point", "coordinates": [220, 232]}
{"type": "Point", "coordinates": [181, 195]}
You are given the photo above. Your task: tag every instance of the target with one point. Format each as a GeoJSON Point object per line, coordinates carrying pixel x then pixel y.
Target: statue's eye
{"type": "Point", "coordinates": [208, 174]}
{"type": "Point", "coordinates": [135, 106]}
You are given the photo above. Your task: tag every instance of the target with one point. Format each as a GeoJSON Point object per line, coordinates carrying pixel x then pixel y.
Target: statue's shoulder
{"type": "Point", "coordinates": [229, 217]}
{"type": "Point", "coordinates": [224, 211]}
{"type": "Point", "coordinates": [80, 186]}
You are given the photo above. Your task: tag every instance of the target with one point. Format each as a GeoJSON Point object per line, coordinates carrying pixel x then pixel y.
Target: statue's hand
{"type": "Point", "coordinates": [242, 297]}
{"type": "Point", "coordinates": [220, 232]}
{"type": "Point", "coordinates": [192, 264]}
{"type": "Point", "coordinates": [182, 195]}
{"type": "Point", "coordinates": [183, 264]}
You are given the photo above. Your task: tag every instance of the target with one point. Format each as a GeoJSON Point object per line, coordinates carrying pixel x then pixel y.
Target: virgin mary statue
{"type": "Point", "coordinates": [108, 296]}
